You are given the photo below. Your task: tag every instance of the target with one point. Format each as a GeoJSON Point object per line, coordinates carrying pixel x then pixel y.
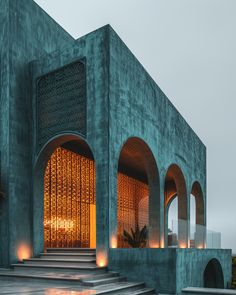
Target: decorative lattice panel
{"type": "Point", "coordinates": [69, 201]}
{"type": "Point", "coordinates": [132, 207]}
{"type": "Point", "coordinates": [61, 102]}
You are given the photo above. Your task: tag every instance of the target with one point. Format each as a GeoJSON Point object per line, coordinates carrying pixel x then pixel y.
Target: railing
{"type": "Point", "coordinates": [199, 235]}
{"type": "Point", "coordinates": [180, 235]}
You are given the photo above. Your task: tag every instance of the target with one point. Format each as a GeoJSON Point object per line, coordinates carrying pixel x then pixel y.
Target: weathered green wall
{"type": "Point", "coordinates": [155, 267]}
{"type": "Point", "coordinates": [191, 263]}
{"type": "Point", "coordinates": [122, 101]}
{"type": "Point", "coordinates": [139, 108]}
{"type": "Point", "coordinates": [168, 270]}
{"type": "Point", "coordinates": [4, 127]}
{"type": "Point", "coordinates": [93, 50]}
{"type": "Point", "coordinates": [26, 32]}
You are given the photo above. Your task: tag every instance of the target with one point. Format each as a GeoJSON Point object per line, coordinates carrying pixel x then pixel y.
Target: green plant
{"type": "Point", "coordinates": [137, 238]}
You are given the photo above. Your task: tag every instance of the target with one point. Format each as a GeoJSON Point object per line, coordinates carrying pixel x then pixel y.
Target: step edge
{"type": "Point", "coordinates": [131, 285]}
{"type": "Point", "coordinates": [57, 266]}
{"type": "Point", "coordinates": [59, 260]}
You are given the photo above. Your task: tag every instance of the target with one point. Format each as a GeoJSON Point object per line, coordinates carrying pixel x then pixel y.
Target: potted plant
{"type": "Point", "coordinates": [137, 238]}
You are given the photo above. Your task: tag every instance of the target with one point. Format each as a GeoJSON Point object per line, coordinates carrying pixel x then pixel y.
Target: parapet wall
{"type": "Point", "coordinates": [169, 270]}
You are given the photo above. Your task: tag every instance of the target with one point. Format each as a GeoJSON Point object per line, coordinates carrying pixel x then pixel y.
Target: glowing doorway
{"type": "Point", "coordinates": [69, 200]}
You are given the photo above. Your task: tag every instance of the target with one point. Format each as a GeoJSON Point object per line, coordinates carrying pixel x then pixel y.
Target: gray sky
{"type": "Point", "coordinates": [189, 48]}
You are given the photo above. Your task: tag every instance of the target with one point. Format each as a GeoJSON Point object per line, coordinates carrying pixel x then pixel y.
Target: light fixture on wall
{"type": "Point", "coordinates": [102, 259]}
{"type": "Point", "coordinates": [162, 243]}
{"type": "Point", "coordinates": [113, 243]}
{"type": "Point", "coordinates": [23, 251]}
{"type": "Point", "coordinates": [153, 244]}
{"type": "Point", "coordinates": [59, 223]}
{"type": "Point", "coordinates": [200, 247]}
{"type": "Point", "coordinates": [183, 246]}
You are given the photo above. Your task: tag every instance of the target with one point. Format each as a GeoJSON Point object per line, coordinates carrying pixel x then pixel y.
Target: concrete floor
{"type": "Point", "coordinates": [14, 287]}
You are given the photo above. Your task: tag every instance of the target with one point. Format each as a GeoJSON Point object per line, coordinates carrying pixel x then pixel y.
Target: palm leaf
{"type": "Point", "coordinates": [137, 238]}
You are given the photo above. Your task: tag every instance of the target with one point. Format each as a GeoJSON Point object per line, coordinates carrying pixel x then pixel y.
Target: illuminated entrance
{"type": "Point", "coordinates": [138, 196]}
{"type": "Point", "coordinates": [70, 198]}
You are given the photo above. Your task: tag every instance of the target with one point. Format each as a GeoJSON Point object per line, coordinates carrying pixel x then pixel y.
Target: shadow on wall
{"type": "Point", "coordinates": [213, 275]}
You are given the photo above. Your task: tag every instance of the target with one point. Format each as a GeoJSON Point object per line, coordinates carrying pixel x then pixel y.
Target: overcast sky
{"type": "Point", "coordinates": [189, 48]}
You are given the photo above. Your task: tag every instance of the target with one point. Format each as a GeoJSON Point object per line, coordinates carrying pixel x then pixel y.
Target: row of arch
{"type": "Point", "coordinates": [136, 155]}
{"type": "Point", "coordinates": [138, 199]}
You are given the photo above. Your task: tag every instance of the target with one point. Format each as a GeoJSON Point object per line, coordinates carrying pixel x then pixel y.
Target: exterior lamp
{"type": "Point", "coordinates": [23, 251]}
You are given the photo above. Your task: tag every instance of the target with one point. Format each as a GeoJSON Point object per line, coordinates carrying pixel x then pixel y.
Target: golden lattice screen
{"type": "Point", "coordinates": [132, 207]}
{"type": "Point", "coordinates": [69, 201]}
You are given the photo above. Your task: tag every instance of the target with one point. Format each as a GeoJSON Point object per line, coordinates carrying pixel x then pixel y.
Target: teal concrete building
{"type": "Point", "coordinates": [91, 147]}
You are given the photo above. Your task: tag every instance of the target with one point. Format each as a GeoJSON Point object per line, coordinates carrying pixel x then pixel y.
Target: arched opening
{"type": "Point", "coordinates": [175, 189]}
{"type": "Point", "coordinates": [65, 195]}
{"type": "Point", "coordinates": [213, 275]}
{"type": "Point", "coordinates": [199, 237]}
{"type": "Point", "coordinates": [138, 196]}
{"type": "Point", "coordinates": [192, 221]}
{"type": "Point", "coordinates": [173, 222]}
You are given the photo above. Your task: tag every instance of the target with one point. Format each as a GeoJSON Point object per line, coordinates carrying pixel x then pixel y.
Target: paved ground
{"type": "Point", "coordinates": [9, 286]}
{"type": "Point", "coordinates": [18, 286]}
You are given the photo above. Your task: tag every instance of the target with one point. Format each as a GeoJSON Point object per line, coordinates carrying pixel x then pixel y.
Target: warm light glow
{"type": "Point", "coordinates": [69, 201]}
{"type": "Point", "coordinates": [162, 243]}
{"type": "Point", "coordinates": [114, 241]}
{"type": "Point", "coordinates": [102, 259]}
{"type": "Point", "coordinates": [23, 252]}
{"type": "Point", "coordinates": [53, 291]}
{"type": "Point", "coordinates": [182, 246]}
{"type": "Point", "coordinates": [59, 223]}
{"type": "Point", "coordinates": [153, 245]}
{"type": "Point", "coordinates": [200, 247]}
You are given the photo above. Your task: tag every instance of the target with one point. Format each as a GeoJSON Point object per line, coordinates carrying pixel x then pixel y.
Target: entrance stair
{"type": "Point", "coordinates": [74, 268]}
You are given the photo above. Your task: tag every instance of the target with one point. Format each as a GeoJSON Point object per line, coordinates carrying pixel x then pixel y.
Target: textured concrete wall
{"type": "Point", "coordinates": [4, 127]}
{"type": "Point", "coordinates": [139, 108]}
{"type": "Point", "coordinates": [168, 270]}
{"type": "Point", "coordinates": [191, 264]}
{"type": "Point", "coordinates": [26, 33]}
{"type": "Point", "coordinates": [92, 48]}
{"type": "Point", "coordinates": [155, 267]}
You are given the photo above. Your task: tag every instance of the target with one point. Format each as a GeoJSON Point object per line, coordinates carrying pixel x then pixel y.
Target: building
{"type": "Point", "coordinates": [90, 147]}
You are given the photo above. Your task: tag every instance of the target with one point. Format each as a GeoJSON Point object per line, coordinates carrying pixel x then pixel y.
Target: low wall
{"type": "Point", "coordinates": [204, 291]}
{"type": "Point", "coordinates": [155, 267]}
{"type": "Point", "coordinates": [191, 264]}
{"type": "Point", "coordinates": [168, 270]}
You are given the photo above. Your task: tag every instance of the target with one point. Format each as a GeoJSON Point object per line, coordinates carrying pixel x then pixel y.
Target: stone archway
{"type": "Point", "coordinates": [172, 221]}
{"type": "Point", "coordinates": [200, 231]}
{"type": "Point", "coordinates": [175, 185]}
{"type": "Point", "coordinates": [138, 191]}
{"type": "Point", "coordinates": [213, 275]}
{"type": "Point", "coordinates": [64, 194]}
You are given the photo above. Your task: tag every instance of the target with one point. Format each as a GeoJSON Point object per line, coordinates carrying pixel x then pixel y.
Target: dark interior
{"type": "Point", "coordinates": [213, 275]}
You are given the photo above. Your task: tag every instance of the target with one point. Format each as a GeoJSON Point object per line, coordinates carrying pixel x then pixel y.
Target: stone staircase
{"type": "Point", "coordinates": [74, 268]}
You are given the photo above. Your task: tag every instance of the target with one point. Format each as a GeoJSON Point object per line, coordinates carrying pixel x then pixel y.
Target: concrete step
{"type": "Point", "coordinates": [207, 291]}
{"type": "Point", "coordinates": [112, 288]}
{"type": "Point", "coordinates": [63, 262]}
{"type": "Point", "coordinates": [73, 267]}
{"type": "Point", "coordinates": [70, 250]}
{"type": "Point", "coordinates": [71, 279]}
{"type": "Point", "coordinates": [82, 255]}
{"type": "Point", "coordinates": [119, 288]}
{"type": "Point", "coordinates": [59, 268]}
{"type": "Point", "coordinates": [102, 281]}
{"type": "Point", "coordinates": [144, 291]}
